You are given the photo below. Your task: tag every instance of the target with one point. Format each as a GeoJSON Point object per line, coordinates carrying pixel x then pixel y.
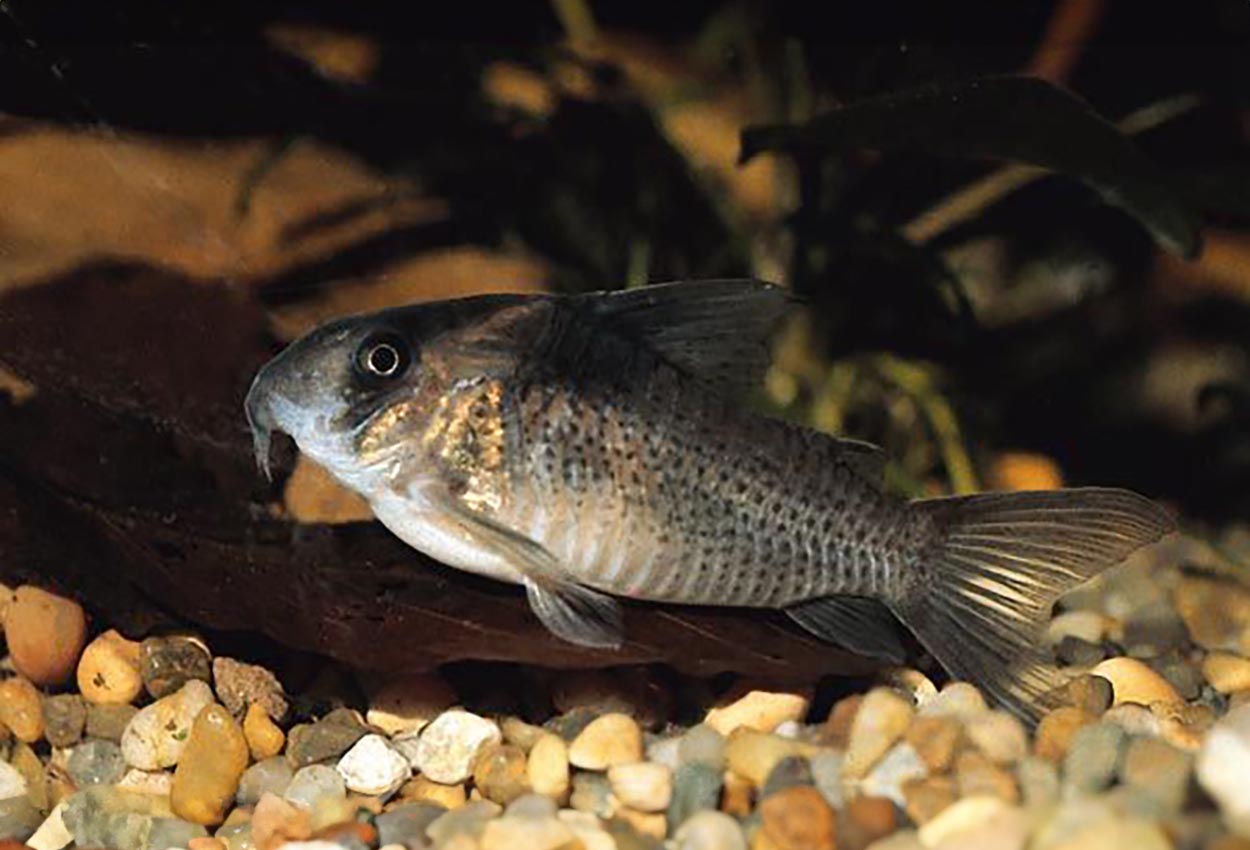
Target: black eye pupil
{"type": "Point", "coordinates": [383, 359]}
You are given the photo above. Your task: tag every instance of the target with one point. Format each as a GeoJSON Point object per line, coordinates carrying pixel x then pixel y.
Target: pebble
{"type": "Point", "coordinates": [64, 718]}
{"type": "Point", "coordinates": [96, 762]}
{"type": "Point", "coordinates": [702, 744]}
{"type": "Point", "coordinates": [951, 826]}
{"type": "Point", "coordinates": [1074, 652]}
{"type": "Point", "coordinates": [52, 834]}
{"type": "Point", "coordinates": [166, 664]}
{"type": "Point", "coordinates": [509, 833]}
{"type": "Point", "coordinates": [21, 710]}
{"type": "Point", "coordinates": [571, 723]}
{"type": "Point", "coordinates": [1089, 626]}
{"type": "Point", "coordinates": [1039, 781]}
{"type": "Point", "coordinates": [264, 738]}
{"type": "Point", "coordinates": [272, 775]}
{"type": "Point", "coordinates": [924, 799]}
{"type": "Point", "coordinates": [499, 773]}
{"type": "Point", "coordinates": [32, 769]}
{"type": "Point", "coordinates": [448, 746]}
{"type": "Point", "coordinates": [524, 735]}
{"type": "Point", "coordinates": [313, 782]}
{"type": "Point", "coordinates": [1227, 673]}
{"type": "Point", "coordinates": [836, 730]}
{"type": "Point", "coordinates": [606, 741]}
{"type": "Point", "coordinates": [423, 790]}
{"type": "Point", "coordinates": [108, 671]}
{"type": "Point", "coordinates": [1179, 672]}
{"type": "Point", "coordinates": [45, 634]}
{"type": "Point", "coordinates": [1132, 681]}
{"type": "Point", "coordinates": [791, 770]}
{"type": "Point", "coordinates": [1056, 729]}
{"type": "Point", "coordinates": [999, 735]}
{"type": "Point", "coordinates": [276, 821]}
{"type": "Point", "coordinates": [12, 783]}
{"type": "Point", "coordinates": [108, 721]}
{"type": "Point", "coordinates": [1092, 693]}
{"type": "Point", "coordinates": [591, 793]}
{"type": "Point", "coordinates": [643, 786]}
{"type": "Point", "coordinates": [696, 786]}
{"type": "Point", "coordinates": [328, 738]}
{"type": "Point", "coordinates": [936, 739]}
{"type": "Point", "coordinates": [373, 767]}
{"type": "Point", "coordinates": [547, 768]}
{"type": "Point", "coordinates": [882, 719]}
{"type": "Point", "coordinates": [470, 819]}
{"type": "Point", "coordinates": [156, 736]}
{"type": "Point", "coordinates": [157, 782]}
{"type": "Point", "coordinates": [18, 819]}
{"type": "Point", "coordinates": [1117, 832]}
{"type": "Point", "coordinates": [978, 776]}
{"type": "Point", "coordinates": [409, 703]}
{"type": "Point", "coordinates": [827, 775]}
{"type": "Point", "coordinates": [240, 685]}
{"type": "Point", "coordinates": [710, 831]}
{"type": "Point", "coordinates": [900, 765]}
{"type": "Point", "coordinates": [798, 818]}
{"type": "Point", "coordinates": [1159, 769]}
{"type": "Point", "coordinates": [103, 816]}
{"type": "Point", "coordinates": [210, 767]}
{"type": "Point", "coordinates": [588, 829]}
{"type": "Point", "coordinates": [1093, 757]}
{"type": "Point", "coordinates": [759, 709]}
{"type": "Point", "coordinates": [1223, 768]}
{"type": "Point", "coordinates": [664, 750]}
{"type": "Point", "coordinates": [957, 699]}
{"type": "Point", "coordinates": [865, 820]}
{"type": "Point", "coordinates": [1216, 612]}
{"type": "Point", "coordinates": [1153, 629]}
{"type": "Point", "coordinates": [752, 755]}
{"type": "Point", "coordinates": [406, 823]}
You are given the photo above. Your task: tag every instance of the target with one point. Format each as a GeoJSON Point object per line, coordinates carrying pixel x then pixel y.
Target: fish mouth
{"type": "Point", "coordinates": [261, 421]}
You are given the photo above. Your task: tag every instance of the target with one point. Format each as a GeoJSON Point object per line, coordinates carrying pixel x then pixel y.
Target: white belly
{"type": "Point", "coordinates": [427, 530]}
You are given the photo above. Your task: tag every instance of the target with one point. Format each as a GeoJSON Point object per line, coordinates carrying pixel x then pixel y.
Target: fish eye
{"type": "Point", "coordinates": [382, 356]}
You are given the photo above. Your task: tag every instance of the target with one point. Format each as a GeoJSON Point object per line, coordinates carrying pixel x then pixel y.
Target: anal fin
{"type": "Point", "coordinates": [862, 625]}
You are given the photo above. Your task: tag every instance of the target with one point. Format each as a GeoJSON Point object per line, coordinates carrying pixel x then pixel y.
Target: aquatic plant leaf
{"type": "Point", "coordinates": [1014, 118]}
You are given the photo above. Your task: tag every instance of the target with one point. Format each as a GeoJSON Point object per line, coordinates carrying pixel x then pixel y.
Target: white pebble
{"type": "Point", "coordinates": [643, 786]}
{"type": "Point", "coordinates": [156, 736]}
{"type": "Point", "coordinates": [12, 783]}
{"type": "Point", "coordinates": [708, 830]}
{"type": "Point", "coordinates": [448, 745]}
{"type": "Point", "coordinates": [373, 767]}
{"type": "Point", "coordinates": [1223, 768]}
{"type": "Point", "coordinates": [52, 834]}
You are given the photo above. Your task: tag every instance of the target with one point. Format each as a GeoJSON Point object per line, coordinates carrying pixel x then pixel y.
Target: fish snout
{"type": "Point", "coordinates": [261, 419]}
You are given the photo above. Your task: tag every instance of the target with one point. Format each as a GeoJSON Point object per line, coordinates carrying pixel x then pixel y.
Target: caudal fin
{"type": "Point", "coordinates": [988, 585]}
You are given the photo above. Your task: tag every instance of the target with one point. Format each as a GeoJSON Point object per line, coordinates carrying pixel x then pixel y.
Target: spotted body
{"type": "Point", "coordinates": [591, 448]}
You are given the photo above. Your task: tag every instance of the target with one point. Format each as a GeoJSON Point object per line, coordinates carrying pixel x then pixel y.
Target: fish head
{"type": "Point", "coordinates": [354, 393]}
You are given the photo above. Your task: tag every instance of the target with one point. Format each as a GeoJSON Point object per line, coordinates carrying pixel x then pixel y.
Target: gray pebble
{"type": "Point", "coordinates": [1093, 758]}
{"type": "Point", "coordinates": [827, 774]}
{"type": "Point", "coordinates": [173, 832]}
{"type": "Point", "coordinates": [168, 663]}
{"type": "Point", "coordinates": [273, 775]}
{"type": "Point", "coordinates": [406, 823]}
{"type": "Point", "coordinates": [790, 771]}
{"type": "Point", "coordinates": [1039, 781]}
{"type": "Point", "coordinates": [328, 738]}
{"type": "Point", "coordinates": [64, 717]}
{"type": "Point", "coordinates": [469, 819]}
{"type": "Point", "coordinates": [18, 818]}
{"type": "Point", "coordinates": [1076, 652]}
{"type": "Point", "coordinates": [702, 744]}
{"type": "Point", "coordinates": [570, 724]}
{"type": "Point", "coordinates": [696, 788]}
{"type": "Point", "coordinates": [108, 721]}
{"type": "Point", "coordinates": [313, 782]}
{"type": "Point", "coordinates": [96, 762]}
{"type": "Point", "coordinates": [592, 793]}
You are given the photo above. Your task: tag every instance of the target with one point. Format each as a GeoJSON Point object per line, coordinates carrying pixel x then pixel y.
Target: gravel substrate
{"type": "Point", "coordinates": [109, 742]}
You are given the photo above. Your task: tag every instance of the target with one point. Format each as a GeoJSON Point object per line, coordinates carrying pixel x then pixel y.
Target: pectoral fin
{"type": "Point", "coordinates": [570, 611]}
{"type": "Point", "coordinates": [577, 614]}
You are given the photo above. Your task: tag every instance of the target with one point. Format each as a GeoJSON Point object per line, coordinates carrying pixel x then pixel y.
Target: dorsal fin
{"type": "Point", "coordinates": [715, 330]}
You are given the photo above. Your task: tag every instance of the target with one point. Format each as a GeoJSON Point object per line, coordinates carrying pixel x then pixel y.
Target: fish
{"type": "Point", "coordinates": [595, 447]}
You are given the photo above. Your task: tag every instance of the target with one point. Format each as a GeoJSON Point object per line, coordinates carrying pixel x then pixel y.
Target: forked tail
{"type": "Point", "coordinates": [983, 592]}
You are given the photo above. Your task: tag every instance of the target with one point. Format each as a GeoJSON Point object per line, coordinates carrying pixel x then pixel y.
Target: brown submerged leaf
{"type": "Point", "coordinates": [127, 481]}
